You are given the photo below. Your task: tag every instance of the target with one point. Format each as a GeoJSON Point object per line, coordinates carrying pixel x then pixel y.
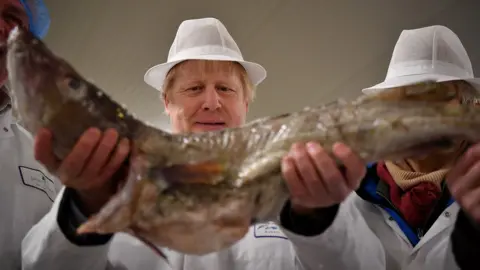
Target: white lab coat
{"type": "Point", "coordinates": [27, 190]}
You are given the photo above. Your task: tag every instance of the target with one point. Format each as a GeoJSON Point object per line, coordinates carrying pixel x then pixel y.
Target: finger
{"type": "Point", "coordinates": [331, 178]}
{"type": "Point", "coordinates": [471, 180]}
{"type": "Point", "coordinates": [101, 154]}
{"type": "Point", "coordinates": [305, 168]}
{"type": "Point", "coordinates": [470, 202]}
{"type": "Point", "coordinates": [355, 168]}
{"type": "Point", "coordinates": [292, 179]}
{"type": "Point", "coordinates": [74, 163]}
{"type": "Point", "coordinates": [464, 163]}
{"type": "Point", "coordinates": [43, 150]}
{"type": "Point", "coordinates": [119, 156]}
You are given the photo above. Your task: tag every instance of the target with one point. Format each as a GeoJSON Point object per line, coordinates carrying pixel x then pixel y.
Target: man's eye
{"type": "Point", "coordinates": [225, 89]}
{"type": "Point", "coordinates": [195, 88]}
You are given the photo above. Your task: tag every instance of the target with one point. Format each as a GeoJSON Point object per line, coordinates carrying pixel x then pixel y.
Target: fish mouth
{"type": "Point", "coordinates": [25, 57]}
{"type": "Point", "coordinates": [21, 43]}
{"type": "Point", "coordinates": [18, 39]}
{"type": "Point", "coordinates": [24, 65]}
{"type": "Point", "coordinates": [16, 51]}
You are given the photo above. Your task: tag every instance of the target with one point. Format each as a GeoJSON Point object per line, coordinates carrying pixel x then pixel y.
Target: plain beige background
{"type": "Point", "coordinates": [314, 50]}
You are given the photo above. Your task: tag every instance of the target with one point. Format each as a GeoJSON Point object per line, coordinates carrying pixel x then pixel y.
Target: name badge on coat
{"type": "Point", "coordinates": [268, 230]}
{"type": "Point", "coordinates": [37, 179]}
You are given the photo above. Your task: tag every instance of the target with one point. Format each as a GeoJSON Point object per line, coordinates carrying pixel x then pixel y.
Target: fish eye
{"type": "Point", "coordinates": [74, 83]}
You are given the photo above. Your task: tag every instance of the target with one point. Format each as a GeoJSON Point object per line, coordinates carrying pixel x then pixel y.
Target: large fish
{"type": "Point", "coordinates": [199, 193]}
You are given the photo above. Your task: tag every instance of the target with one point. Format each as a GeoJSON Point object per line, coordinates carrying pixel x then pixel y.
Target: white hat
{"type": "Point", "coordinates": [433, 53]}
{"type": "Point", "coordinates": [202, 39]}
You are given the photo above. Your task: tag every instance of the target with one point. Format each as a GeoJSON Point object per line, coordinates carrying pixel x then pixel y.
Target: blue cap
{"type": "Point", "coordinates": [38, 17]}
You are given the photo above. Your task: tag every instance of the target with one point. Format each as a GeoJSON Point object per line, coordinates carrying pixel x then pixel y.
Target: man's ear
{"type": "Point", "coordinates": [166, 102]}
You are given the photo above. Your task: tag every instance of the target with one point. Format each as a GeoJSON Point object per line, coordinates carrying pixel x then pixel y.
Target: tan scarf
{"type": "Point", "coordinates": [407, 179]}
{"type": "Point", "coordinates": [406, 176]}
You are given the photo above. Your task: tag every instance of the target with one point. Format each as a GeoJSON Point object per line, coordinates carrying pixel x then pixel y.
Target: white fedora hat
{"type": "Point", "coordinates": [203, 39]}
{"type": "Point", "coordinates": [433, 53]}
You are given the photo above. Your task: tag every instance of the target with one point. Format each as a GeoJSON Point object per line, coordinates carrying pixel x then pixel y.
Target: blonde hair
{"type": "Point", "coordinates": [209, 66]}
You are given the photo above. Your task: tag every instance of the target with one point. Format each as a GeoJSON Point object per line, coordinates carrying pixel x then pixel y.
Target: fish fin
{"type": "Point", "coordinates": [117, 213]}
{"type": "Point", "coordinates": [135, 232]}
{"type": "Point", "coordinates": [209, 172]}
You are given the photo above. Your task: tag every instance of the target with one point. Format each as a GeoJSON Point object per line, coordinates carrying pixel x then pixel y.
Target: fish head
{"type": "Point", "coordinates": [47, 92]}
{"type": "Point", "coordinates": [40, 82]}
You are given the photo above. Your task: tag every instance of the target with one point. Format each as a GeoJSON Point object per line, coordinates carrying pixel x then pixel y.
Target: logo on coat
{"type": "Point", "coordinates": [268, 230]}
{"type": "Point", "coordinates": [37, 179]}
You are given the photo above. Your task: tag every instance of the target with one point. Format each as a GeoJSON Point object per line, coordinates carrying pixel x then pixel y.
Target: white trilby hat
{"type": "Point", "coordinates": [203, 39]}
{"type": "Point", "coordinates": [433, 53]}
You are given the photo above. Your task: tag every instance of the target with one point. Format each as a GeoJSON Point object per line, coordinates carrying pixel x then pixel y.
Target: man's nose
{"type": "Point", "coordinates": [212, 99]}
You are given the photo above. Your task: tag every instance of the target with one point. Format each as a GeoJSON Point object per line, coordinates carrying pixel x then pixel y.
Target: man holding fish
{"type": "Point", "coordinates": [420, 200]}
{"type": "Point", "coordinates": [411, 205]}
{"type": "Point", "coordinates": [27, 190]}
{"type": "Point", "coordinates": [206, 85]}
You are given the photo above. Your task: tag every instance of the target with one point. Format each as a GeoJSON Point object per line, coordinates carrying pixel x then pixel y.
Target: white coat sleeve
{"type": "Point", "coordinates": [46, 246]}
{"type": "Point", "coordinates": [347, 243]}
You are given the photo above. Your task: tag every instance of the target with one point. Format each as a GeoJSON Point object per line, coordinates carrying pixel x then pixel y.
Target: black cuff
{"type": "Point", "coordinates": [466, 242]}
{"type": "Point", "coordinates": [68, 224]}
{"type": "Point", "coordinates": [308, 225]}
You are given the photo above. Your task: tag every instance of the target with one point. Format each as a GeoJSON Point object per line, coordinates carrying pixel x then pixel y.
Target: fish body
{"type": "Point", "coordinates": [199, 193]}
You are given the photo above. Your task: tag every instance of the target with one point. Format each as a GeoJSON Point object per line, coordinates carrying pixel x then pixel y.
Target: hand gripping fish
{"type": "Point", "coordinates": [199, 193]}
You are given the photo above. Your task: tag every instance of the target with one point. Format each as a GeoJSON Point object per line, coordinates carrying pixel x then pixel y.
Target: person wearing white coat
{"type": "Point", "coordinates": [206, 85]}
{"type": "Point", "coordinates": [27, 191]}
{"type": "Point", "coordinates": [406, 208]}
